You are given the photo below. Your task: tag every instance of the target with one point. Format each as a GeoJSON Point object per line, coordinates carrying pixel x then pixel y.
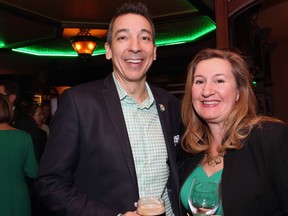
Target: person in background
{"type": "Point", "coordinates": [11, 90]}
{"type": "Point", "coordinates": [17, 162]}
{"type": "Point", "coordinates": [46, 115]}
{"type": "Point", "coordinates": [228, 141]}
{"type": "Point", "coordinates": [114, 140]}
{"type": "Point", "coordinates": [36, 112]}
{"type": "Point", "coordinates": [31, 121]}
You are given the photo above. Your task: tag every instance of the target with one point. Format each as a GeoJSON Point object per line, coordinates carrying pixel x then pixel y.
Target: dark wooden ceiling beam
{"type": "Point", "coordinates": [224, 9]}
{"type": "Point", "coordinates": [222, 25]}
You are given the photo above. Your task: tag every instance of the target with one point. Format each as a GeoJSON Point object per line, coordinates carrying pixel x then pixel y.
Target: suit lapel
{"type": "Point", "coordinates": [165, 114]}
{"type": "Point", "coordinates": [114, 108]}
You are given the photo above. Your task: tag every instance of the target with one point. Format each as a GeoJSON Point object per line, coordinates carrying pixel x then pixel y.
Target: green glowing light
{"type": "Point", "coordinates": [2, 44]}
{"type": "Point", "coordinates": [191, 30]}
{"type": "Point", "coordinates": [68, 51]}
{"type": "Point", "coordinates": [35, 51]}
{"type": "Point", "coordinates": [188, 30]}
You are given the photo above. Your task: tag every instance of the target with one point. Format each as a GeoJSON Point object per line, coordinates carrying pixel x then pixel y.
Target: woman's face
{"type": "Point", "coordinates": [214, 90]}
{"type": "Point", "coordinates": [38, 116]}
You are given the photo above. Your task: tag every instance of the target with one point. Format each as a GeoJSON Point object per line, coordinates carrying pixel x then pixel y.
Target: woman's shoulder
{"type": "Point", "coordinates": [16, 138]}
{"type": "Point", "coordinates": [267, 126]}
{"type": "Point", "coordinates": [269, 131]}
{"type": "Point", "coordinates": [18, 133]}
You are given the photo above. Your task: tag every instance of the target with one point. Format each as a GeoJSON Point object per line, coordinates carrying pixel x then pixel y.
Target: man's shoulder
{"type": "Point", "coordinates": [92, 85]}
{"type": "Point", "coordinates": [162, 91]}
{"type": "Point", "coordinates": [88, 85]}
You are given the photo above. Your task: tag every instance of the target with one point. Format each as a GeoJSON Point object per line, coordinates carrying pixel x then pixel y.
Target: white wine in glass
{"type": "Point", "coordinates": [204, 197]}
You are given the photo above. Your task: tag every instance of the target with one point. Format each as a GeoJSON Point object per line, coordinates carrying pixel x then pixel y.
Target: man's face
{"type": "Point", "coordinates": [2, 90]}
{"type": "Point", "coordinates": [132, 49]}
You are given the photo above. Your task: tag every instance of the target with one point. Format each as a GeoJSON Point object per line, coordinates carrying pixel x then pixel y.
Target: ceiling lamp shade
{"type": "Point", "coordinates": [84, 43]}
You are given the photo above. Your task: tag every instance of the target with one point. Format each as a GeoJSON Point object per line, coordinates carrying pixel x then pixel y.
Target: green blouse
{"type": "Point", "coordinates": [200, 175]}
{"type": "Point", "coordinates": [17, 161]}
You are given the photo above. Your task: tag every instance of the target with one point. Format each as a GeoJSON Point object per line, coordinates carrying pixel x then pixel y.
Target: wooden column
{"type": "Point", "coordinates": [222, 24]}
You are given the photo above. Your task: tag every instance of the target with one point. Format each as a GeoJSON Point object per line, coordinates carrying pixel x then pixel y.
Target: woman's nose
{"type": "Point", "coordinates": [208, 90]}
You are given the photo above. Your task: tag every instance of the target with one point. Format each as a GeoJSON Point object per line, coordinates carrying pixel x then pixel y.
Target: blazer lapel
{"type": "Point", "coordinates": [165, 114]}
{"type": "Point", "coordinates": [114, 108]}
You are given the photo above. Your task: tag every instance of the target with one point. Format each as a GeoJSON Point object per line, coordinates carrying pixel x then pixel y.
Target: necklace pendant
{"type": "Point", "coordinates": [211, 163]}
{"type": "Point", "coordinates": [217, 160]}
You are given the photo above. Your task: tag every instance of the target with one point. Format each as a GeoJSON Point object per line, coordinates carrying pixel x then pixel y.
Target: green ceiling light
{"type": "Point", "coordinates": [62, 47]}
{"type": "Point", "coordinates": [2, 44]}
{"type": "Point", "coordinates": [189, 29]}
{"type": "Point", "coordinates": [69, 52]}
{"type": "Point", "coordinates": [38, 51]}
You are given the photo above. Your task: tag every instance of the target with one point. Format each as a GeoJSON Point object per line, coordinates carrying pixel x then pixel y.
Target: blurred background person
{"type": "Point", "coordinates": [46, 115]}
{"type": "Point", "coordinates": [228, 141]}
{"type": "Point", "coordinates": [11, 90]}
{"type": "Point", "coordinates": [31, 121]}
{"type": "Point", "coordinates": [17, 161]}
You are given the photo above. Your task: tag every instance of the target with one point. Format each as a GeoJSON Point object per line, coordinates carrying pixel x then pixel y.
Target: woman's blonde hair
{"type": "Point", "coordinates": [241, 120]}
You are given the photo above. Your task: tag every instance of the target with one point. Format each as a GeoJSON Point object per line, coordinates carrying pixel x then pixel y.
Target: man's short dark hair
{"type": "Point", "coordinates": [131, 8]}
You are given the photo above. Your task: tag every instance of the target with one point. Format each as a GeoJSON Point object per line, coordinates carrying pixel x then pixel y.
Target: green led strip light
{"type": "Point", "coordinates": [34, 50]}
{"type": "Point", "coordinates": [200, 26]}
{"type": "Point", "coordinates": [2, 44]}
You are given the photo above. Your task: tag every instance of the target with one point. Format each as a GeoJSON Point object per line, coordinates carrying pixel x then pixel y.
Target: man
{"type": "Point", "coordinates": [114, 140]}
{"type": "Point", "coordinates": [11, 90]}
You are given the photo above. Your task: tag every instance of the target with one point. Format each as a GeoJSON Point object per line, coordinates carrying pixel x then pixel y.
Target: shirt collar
{"type": "Point", "coordinates": [148, 102]}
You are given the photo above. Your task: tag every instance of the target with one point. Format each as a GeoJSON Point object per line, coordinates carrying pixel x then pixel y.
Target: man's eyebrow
{"type": "Point", "coordinates": [127, 30]}
{"type": "Point", "coordinates": [146, 31]}
{"type": "Point", "coordinates": [121, 30]}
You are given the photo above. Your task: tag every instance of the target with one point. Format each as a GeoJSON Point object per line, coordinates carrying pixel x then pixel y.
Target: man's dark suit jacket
{"type": "Point", "coordinates": [87, 168]}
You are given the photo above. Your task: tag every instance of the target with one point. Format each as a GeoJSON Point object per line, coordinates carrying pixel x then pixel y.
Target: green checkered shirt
{"type": "Point", "coordinates": [148, 145]}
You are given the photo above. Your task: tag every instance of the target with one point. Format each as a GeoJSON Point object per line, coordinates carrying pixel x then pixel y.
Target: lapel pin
{"type": "Point", "coordinates": [176, 140]}
{"type": "Point", "coordinates": [162, 108]}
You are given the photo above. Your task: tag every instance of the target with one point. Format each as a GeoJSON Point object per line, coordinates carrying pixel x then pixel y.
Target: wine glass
{"type": "Point", "coordinates": [204, 197]}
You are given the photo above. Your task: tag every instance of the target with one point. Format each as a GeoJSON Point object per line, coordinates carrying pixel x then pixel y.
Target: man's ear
{"type": "Point", "coordinates": [155, 55]}
{"type": "Point", "coordinates": [108, 52]}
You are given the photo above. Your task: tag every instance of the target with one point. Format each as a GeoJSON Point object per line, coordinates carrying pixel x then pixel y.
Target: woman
{"type": "Point", "coordinates": [31, 121]}
{"type": "Point", "coordinates": [17, 161]}
{"type": "Point", "coordinates": [228, 142]}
